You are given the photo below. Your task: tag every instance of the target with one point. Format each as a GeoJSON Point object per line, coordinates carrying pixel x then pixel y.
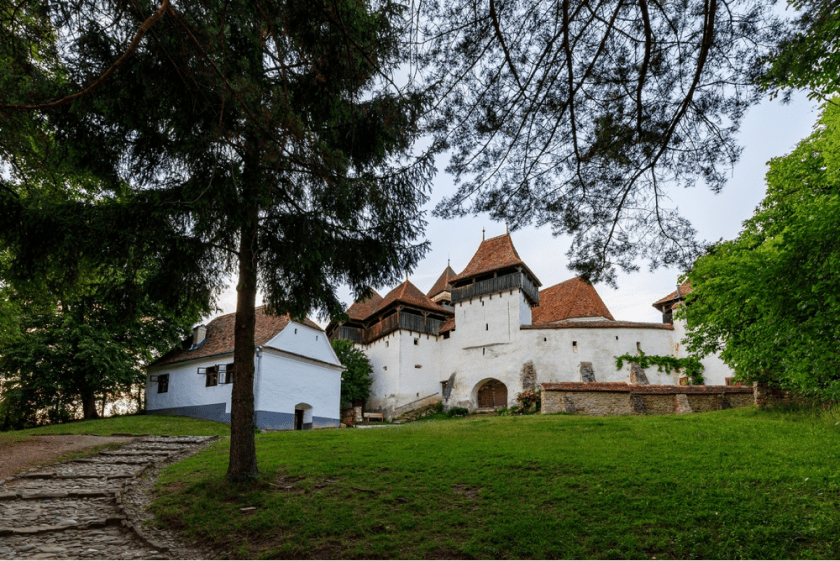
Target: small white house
{"type": "Point", "coordinates": [297, 376]}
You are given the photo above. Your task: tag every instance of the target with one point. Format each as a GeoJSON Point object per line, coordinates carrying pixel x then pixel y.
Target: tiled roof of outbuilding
{"type": "Point", "coordinates": [574, 298]}
{"type": "Point", "coordinates": [442, 284]}
{"type": "Point", "coordinates": [492, 255]}
{"type": "Point", "coordinates": [407, 293]}
{"type": "Point", "coordinates": [219, 338]}
{"type": "Point", "coordinates": [361, 310]}
{"type": "Point", "coordinates": [640, 389]}
{"type": "Point", "coordinates": [684, 288]}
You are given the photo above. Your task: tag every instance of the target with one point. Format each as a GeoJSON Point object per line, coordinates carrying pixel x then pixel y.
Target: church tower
{"type": "Point", "coordinates": [494, 294]}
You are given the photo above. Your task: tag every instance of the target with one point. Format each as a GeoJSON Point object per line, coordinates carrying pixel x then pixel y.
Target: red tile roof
{"type": "Point", "coordinates": [568, 324]}
{"type": "Point", "coordinates": [361, 310]}
{"type": "Point", "coordinates": [574, 298]}
{"type": "Point", "coordinates": [684, 289]}
{"type": "Point", "coordinates": [407, 293]}
{"type": "Point", "coordinates": [640, 390]}
{"type": "Point", "coordinates": [219, 338]}
{"type": "Point", "coordinates": [492, 255]}
{"type": "Point", "coordinates": [449, 325]}
{"type": "Point", "coordinates": [442, 284]}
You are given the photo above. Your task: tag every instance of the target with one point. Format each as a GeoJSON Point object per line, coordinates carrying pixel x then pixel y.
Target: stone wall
{"type": "Point", "coordinates": [767, 395]}
{"type": "Point", "coordinates": [624, 399]}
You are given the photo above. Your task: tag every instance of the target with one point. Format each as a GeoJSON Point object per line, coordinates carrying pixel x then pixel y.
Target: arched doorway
{"type": "Point", "coordinates": [492, 394]}
{"type": "Point", "coordinates": [303, 416]}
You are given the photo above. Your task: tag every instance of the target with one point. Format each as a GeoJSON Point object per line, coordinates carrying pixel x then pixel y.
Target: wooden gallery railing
{"type": "Point", "coordinates": [497, 284]}
{"type": "Point", "coordinates": [398, 320]}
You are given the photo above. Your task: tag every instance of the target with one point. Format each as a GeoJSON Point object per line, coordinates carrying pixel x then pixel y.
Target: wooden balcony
{"type": "Point", "coordinates": [498, 284]}
{"type": "Point", "coordinates": [398, 320]}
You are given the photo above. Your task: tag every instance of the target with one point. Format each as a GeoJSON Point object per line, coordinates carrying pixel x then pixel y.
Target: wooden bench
{"type": "Point", "coordinates": [374, 417]}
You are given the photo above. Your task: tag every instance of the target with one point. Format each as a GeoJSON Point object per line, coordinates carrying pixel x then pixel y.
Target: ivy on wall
{"type": "Point", "coordinates": [690, 366]}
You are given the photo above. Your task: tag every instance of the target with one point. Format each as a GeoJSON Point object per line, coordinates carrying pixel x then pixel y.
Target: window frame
{"type": "Point", "coordinates": [163, 383]}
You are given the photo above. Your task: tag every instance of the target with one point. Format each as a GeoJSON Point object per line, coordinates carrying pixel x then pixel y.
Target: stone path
{"type": "Point", "coordinates": [93, 508]}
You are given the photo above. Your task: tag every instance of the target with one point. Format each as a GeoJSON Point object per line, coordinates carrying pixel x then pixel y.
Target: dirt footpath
{"type": "Point", "coordinates": [33, 450]}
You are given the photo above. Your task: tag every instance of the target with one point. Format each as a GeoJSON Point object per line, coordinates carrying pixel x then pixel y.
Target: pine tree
{"type": "Point", "coordinates": [261, 139]}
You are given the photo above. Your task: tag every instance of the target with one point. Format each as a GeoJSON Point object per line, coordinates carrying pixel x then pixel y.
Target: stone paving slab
{"type": "Point", "coordinates": [52, 512]}
{"type": "Point", "coordinates": [92, 508]}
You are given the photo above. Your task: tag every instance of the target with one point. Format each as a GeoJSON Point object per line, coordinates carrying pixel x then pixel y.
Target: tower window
{"type": "Point", "coordinates": [574, 346]}
{"type": "Point", "coordinates": [638, 346]}
{"type": "Point", "coordinates": [417, 341]}
{"type": "Point", "coordinates": [486, 327]}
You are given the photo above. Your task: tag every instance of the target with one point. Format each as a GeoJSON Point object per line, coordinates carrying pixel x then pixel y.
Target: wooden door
{"type": "Point", "coordinates": [492, 394]}
{"type": "Point", "coordinates": [298, 419]}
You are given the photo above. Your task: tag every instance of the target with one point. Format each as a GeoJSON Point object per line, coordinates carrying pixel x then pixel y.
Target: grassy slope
{"type": "Point", "coordinates": [134, 424]}
{"type": "Point", "coordinates": [738, 483]}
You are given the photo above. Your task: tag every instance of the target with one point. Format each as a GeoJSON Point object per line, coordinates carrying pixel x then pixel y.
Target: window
{"type": "Point", "coordinates": [228, 374]}
{"type": "Point", "coordinates": [574, 346]}
{"type": "Point", "coordinates": [616, 337]}
{"type": "Point", "coordinates": [212, 376]}
{"type": "Point", "coordinates": [486, 327]}
{"type": "Point", "coordinates": [417, 341]}
{"type": "Point", "coordinates": [316, 337]}
{"type": "Point", "coordinates": [638, 346]}
{"type": "Point", "coordinates": [295, 330]}
{"type": "Point", "coordinates": [163, 383]}
{"type": "Point", "coordinates": [387, 343]}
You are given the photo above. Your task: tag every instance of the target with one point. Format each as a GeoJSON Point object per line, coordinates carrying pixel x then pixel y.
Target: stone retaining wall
{"type": "Point", "coordinates": [623, 399]}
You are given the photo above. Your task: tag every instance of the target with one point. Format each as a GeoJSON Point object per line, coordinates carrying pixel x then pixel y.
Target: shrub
{"type": "Point", "coordinates": [439, 407]}
{"type": "Point", "coordinates": [529, 399]}
{"type": "Point", "coordinates": [457, 412]}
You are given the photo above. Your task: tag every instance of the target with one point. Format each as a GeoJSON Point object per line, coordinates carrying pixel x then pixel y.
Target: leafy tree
{"type": "Point", "coordinates": [356, 380]}
{"type": "Point", "coordinates": [769, 300]}
{"type": "Point", "coordinates": [808, 56]}
{"type": "Point", "coordinates": [262, 139]}
{"type": "Point", "coordinates": [65, 355]}
{"type": "Point", "coordinates": [579, 115]}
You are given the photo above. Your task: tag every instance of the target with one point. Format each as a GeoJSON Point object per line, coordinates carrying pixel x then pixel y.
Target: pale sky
{"type": "Point", "coordinates": [769, 130]}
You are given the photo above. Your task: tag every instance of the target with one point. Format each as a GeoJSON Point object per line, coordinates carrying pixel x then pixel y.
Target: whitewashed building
{"type": "Point", "coordinates": [297, 376]}
{"type": "Point", "coordinates": [478, 338]}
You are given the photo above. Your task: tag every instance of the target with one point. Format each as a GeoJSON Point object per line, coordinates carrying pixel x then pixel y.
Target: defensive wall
{"type": "Point", "coordinates": [620, 398]}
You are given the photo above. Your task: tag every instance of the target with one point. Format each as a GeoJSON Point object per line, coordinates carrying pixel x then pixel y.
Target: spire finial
{"type": "Point", "coordinates": [507, 230]}
{"type": "Point", "coordinates": [482, 233]}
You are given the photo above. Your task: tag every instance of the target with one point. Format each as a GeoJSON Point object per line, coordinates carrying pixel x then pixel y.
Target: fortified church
{"type": "Point", "coordinates": [479, 337]}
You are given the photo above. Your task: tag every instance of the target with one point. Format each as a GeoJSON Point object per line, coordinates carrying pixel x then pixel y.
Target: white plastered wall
{"type": "Point", "coordinates": [186, 387]}
{"type": "Point", "coordinates": [556, 359]}
{"type": "Point", "coordinates": [715, 370]}
{"type": "Point", "coordinates": [286, 381]}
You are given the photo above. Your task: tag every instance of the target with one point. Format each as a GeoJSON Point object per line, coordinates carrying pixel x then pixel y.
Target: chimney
{"type": "Point", "coordinates": [199, 334]}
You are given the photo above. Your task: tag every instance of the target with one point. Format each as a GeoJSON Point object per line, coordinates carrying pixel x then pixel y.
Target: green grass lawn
{"type": "Point", "coordinates": [134, 424]}
{"type": "Point", "coordinates": [728, 484]}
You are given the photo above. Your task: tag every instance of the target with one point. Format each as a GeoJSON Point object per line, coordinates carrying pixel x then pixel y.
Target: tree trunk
{"type": "Point", "coordinates": [243, 453]}
{"type": "Point", "coordinates": [89, 406]}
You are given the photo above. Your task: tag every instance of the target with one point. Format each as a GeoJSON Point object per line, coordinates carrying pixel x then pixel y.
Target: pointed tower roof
{"type": "Point", "coordinates": [407, 293]}
{"type": "Point", "coordinates": [362, 309]}
{"type": "Point", "coordinates": [492, 255]}
{"type": "Point", "coordinates": [574, 298]}
{"type": "Point", "coordinates": [442, 284]}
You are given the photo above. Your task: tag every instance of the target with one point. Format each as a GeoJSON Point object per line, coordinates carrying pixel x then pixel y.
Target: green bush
{"type": "Point", "coordinates": [457, 412]}
{"type": "Point", "coordinates": [439, 407]}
